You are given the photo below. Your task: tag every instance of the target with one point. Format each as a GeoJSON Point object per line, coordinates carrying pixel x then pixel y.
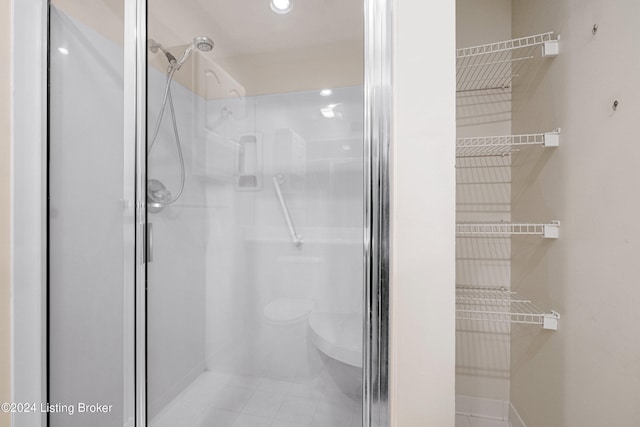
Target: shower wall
{"type": "Point", "coordinates": [176, 276]}
{"type": "Point", "coordinates": [238, 255]}
{"type": "Point", "coordinates": [251, 259]}
{"type": "Point", "coordinates": [85, 222]}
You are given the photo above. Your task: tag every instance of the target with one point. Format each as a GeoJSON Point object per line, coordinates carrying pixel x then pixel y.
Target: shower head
{"type": "Point", "coordinates": [203, 43]}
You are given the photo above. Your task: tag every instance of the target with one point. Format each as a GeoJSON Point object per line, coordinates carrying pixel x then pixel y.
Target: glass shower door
{"type": "Point", "coordinates": [255, 187]}
{"type": "Point", "coordinates": [90, 219]}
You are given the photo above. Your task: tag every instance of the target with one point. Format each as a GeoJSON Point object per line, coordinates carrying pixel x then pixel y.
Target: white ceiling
{"type": "Point", "coordinates": [248, 27]}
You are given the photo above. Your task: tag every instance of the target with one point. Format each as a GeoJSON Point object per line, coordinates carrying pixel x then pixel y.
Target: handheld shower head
{"type": "Point", "coordinates": [157, 194]}
{"type": "Point", "coordinates": [203, 43]}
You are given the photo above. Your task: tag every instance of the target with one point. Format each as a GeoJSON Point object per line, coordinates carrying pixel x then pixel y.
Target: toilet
{"type": "Point", "coordinates": [286, 321]}
{"type": "Point", "coordinates": [289, 352]}
{"type": "Point", "coordinates": [302, 341]}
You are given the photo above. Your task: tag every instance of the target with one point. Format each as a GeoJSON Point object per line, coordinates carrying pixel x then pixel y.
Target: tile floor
{"type": "Point", "coordinates": [471, 421]}
{"type": "Point", "coordinates": [222, 400]}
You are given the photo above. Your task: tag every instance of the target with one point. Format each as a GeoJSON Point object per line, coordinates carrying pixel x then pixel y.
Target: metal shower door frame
{"type": "Point", "coordinates": [376, 238]}
{"type": "Point", "coordinates": [378, 92]}
{"type": "Point", "coordinates": [135, 85]}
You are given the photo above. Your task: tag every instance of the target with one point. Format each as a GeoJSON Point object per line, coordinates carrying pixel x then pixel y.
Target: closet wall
{"type": "Point", "coordinates": [483, 195]}
{"type": "Point", "coordinates": [587, 374]}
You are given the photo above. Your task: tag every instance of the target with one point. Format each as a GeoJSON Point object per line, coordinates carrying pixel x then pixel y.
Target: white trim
{"type": "Point", "coordinates": [482, 407]}
{"type": "Point", "coordinates": [514, 417]}
{"type": "Point", "coordinates": [496, 409]}
{"type": "Point", "coordinates": [28, 207]}
{"type": "Point", "coordinates": [131, 405]}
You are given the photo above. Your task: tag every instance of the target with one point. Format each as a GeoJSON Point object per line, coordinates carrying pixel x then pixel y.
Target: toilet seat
{"type": "Point", "coordinates": [288, 310]}
{"type": "Point", "coordinates": [338, 335]}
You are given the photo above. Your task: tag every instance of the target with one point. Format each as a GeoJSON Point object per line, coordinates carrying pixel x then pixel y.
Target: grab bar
{"type": "Point", "coordinates": [297, 238]}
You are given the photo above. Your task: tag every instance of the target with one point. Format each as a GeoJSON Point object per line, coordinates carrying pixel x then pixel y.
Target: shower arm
{"type": "Point", "coordinates": [295, 237]}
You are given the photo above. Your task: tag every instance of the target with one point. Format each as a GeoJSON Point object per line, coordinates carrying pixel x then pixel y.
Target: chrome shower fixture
{"type": "Point", "coordinates": [157, 194]}
{"type": "Point", "coordinates": [155, 46]}
{"type": "Point", "coordinates": [202, 43]}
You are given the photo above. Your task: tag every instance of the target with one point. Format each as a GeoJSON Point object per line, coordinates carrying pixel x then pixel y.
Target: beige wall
{"type": "Point", "coordinates": [423, 215]}
{"type": "Point", "coordinates": [287, 70]}
{"type": "Point", "coordinates": [587, 374]}
{"type": "Point", "coordinates": [5, 143]}
{"type": "Point", "coordinates": [314, 67]}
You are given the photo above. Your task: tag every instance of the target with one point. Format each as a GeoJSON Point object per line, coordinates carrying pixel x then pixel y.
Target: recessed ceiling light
{"type": "Point", "coordinates": [63, 50]}
{"type": "Point", "coordinates": [328, 113]}
{"type": "Point", "coordinates": [281, 6]}
{"type": "Point", "coordinates": [326, 92]}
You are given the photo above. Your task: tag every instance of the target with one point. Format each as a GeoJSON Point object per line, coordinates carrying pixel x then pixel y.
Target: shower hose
{"type": "Point", "coordinates": [163, 196]}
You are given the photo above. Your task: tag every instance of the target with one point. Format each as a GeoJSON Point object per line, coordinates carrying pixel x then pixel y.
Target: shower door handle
{"type": "Point", "coordinates": [149, 242]}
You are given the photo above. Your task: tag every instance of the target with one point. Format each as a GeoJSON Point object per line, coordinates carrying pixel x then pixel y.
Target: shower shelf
{"type": "Point", "coordinates": [501, 305]}
{"type": "Point", "coordinates": [485, 146]}
{"type": "Point", "coordinates": [495, 65]}
{"type": "Point", "coordinates": [548, 231]}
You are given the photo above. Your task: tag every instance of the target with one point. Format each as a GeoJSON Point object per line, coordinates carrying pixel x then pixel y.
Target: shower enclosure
{"type": "Point", "coordinates": [226, 262]}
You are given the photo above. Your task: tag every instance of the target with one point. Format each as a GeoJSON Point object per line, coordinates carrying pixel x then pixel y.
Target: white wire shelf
{"type": "Point", "coordinates": [495, 65]}
{"type": "Point", "coordinates": [484, 146]}
{"type": "Point", "coordinates": [548, 231]}
{"type": "Point", "coordinates": [501, 305]}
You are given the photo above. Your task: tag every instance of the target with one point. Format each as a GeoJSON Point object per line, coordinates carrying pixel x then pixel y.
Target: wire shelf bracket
{"type": "Point", "coordinates": [548, 231]}
{"type": "Point", "coordinates": [503, 306]}
{"type": "Point", "coordinates": [485, 146]}
{"type": "Point", "coordinates": [495, 65]}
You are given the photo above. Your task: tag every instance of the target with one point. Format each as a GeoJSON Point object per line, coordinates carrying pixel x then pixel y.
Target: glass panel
{"type": "Point", "coordinates": [87, 216]}
{"type": "Point", "coordinates": [254, 301]}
